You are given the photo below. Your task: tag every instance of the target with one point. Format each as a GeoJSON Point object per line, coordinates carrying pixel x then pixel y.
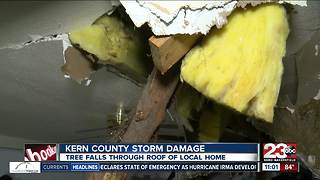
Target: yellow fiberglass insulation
{"type": "Point", "coordinates": [112, 42]}
{"type": "Point", "coordinates": [240, 65]}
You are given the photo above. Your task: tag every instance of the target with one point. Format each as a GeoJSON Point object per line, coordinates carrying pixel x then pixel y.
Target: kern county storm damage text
{"type": "Point", "coordinates": [133, 148]}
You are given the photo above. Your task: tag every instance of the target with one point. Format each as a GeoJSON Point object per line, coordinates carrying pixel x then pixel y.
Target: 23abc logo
{"type": "Point", "coordinates": [281, 150]}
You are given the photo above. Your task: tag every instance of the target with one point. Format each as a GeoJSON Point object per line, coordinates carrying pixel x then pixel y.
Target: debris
{"type": "Point", "coordinates": [87, 82]}
{"type": "Point", "coordinates": [173, 17]}
{"type": "Point", "coordinates": [186, 17]}
{"type": "Point", "coordinates": [290, 110]}
{"type": "Point", "coordinates": [244, 72]}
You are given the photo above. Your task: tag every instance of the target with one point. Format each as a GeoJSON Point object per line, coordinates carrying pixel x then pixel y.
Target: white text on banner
{"type": "Point", "coordinates": [123, 157]}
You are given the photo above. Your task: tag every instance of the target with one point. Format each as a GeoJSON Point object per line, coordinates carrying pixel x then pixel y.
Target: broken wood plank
{"type": "Point", "coordinates": [168, 50]}
{"type": "Point", "coordinates": [150, 111]}
{"type": "Point", "coordinates": [151, 108]}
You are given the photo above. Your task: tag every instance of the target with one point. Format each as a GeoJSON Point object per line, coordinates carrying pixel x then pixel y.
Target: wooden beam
{"type": "Point", "coordinates": [149, 112]}
{"type": "Point", "coordinates": [151, 108]}
{"type": "Point", "coordinates": [168, 50]}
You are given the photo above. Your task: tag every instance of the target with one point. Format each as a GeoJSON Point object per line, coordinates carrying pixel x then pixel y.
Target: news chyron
{"type": "Point", "coordinates": [40, 152]}
{"type": "Point", "coordinates": [277, 157]}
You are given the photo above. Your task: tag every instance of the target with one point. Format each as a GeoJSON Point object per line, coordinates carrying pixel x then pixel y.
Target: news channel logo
{"type": "Point", "coordinates": [279, 152]}
{"type": "Point", "coordinates": [24, 167]}
{"type": "Point", "coordinates": [40, 152]}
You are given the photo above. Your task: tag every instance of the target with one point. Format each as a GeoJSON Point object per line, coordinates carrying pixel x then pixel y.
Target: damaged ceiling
{"type": "Point", "coordinates": [24, 21]}
{"type": "Point", "coordinates": [37, 99]}
{"type": "Point", "coordinates": [37, 103]}
{"type": "Point", "coordinates": [181, 17]}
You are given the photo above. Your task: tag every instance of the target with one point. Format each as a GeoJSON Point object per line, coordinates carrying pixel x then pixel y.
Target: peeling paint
{"type": "Point", "coordinates": [316, 47]}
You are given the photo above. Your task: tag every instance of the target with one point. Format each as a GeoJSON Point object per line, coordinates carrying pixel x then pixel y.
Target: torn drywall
{"type": "Point", "coordinates": [36, 39]}
{"type": "Point", "coordinates": [181, 17]}
{"type": "Point", "coordinates": [20, 19]}
{"type": "Point", "coordinates": [77, 66]}
{"type": "Point", "coordinates": [69, 57]}
{"type": "Point", "coordinates": [184, 20]}
{"type": "Point", "coordinates": [32, 22]}
{"type": "Point", "coordinates": [36, 97]}
{"type": "Point", "coordinates": [34, 94]}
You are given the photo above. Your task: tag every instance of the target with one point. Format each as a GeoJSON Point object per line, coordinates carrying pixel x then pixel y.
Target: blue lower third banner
{"type": "Point", "coordinates": [204, 152]}
{"type": "Point", "coordinates": [161, 148]}
{"type": "Point", "coordinates": [95, 167]}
